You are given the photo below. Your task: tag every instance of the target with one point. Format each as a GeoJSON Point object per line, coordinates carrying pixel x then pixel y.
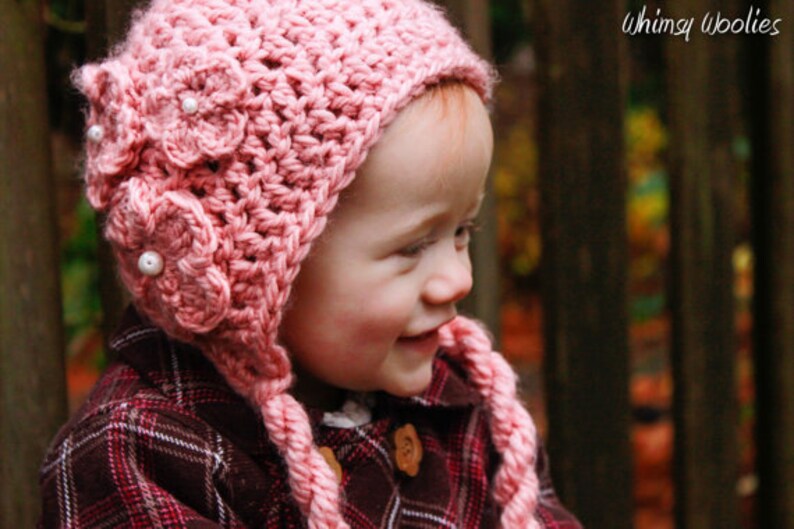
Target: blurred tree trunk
{"type": "Point", "coordinates": [772, 113]}
{"type": "Point", "coordinates": [584, 264]}
{"type": "Point", "coordinates": [702, 112]}
{"type": "Point", "coordinates": [107, 22]}
{"type": "Point", "coordinates": [32, 386]}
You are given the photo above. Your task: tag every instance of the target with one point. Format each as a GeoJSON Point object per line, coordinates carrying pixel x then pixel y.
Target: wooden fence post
{"type": "Point", "coordinates": [32, 385]}
{"type": "Point", "coordinates": [772, 111]}
{"type": "Point", "coordinates": [583, 269]}
{"type": "Point", "coordinates": [701, 107]}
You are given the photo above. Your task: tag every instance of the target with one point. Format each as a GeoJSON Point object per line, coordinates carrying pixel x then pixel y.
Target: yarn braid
{"type": "Point", "coordinates": [512, 429]}
{"type": "Point", "coordinates": [314, 486]}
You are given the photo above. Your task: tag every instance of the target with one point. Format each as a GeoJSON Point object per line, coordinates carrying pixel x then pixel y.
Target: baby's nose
{"type": "Point", "coordinates": [451, 282]}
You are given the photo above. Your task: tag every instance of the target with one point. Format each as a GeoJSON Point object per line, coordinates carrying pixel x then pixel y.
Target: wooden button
{"type": "Point", "coordinates": [330, 458]}
{"type": "Point", "coordinates": [408, 450]}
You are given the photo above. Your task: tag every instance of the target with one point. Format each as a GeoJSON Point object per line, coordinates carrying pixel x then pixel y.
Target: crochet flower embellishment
{"type": "Point", "coordinates": [165, 245]}
{"type": "Point", "coordinates": [195, 112]}
{"type": "Point", "coordinates": [114, 133]}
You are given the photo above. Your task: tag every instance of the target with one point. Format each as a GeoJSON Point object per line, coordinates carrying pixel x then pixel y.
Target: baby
{"type": "Point", "coordinates": [290, 189]}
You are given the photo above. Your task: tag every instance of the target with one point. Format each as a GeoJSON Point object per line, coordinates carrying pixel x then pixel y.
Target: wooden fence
{"type": "Point", "coordinates": [583, 270]}
{"type": "Point", "coordinates": [701, 97]}
{"type": "Point", "coordinates": [32, 388]}
{"type": "Point", "coordinates": [772, 107]}
{"type": "Point", "coordinates": [582, 75]}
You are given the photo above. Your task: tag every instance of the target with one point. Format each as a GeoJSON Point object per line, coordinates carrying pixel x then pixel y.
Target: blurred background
{"type": "Point", "coordinates": [649, 147]}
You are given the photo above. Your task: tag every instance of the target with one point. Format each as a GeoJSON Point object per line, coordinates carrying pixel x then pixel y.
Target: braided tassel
{"type": "Point", "coordinates": [313, 484]}
{"type": "Point", "coordinates": [513, 432]}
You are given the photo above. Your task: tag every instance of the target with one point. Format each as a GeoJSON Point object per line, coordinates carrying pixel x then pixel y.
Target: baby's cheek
{"type": "Point", "coordinates": [365, 313]}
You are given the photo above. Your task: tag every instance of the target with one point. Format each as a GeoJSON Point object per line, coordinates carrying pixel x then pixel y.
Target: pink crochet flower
{"type": "Point", "coordinates": [196, 110]}
{"type": "Point", "coordinates": [173, 225]}
{"type": "Point", "coordinates": [113, 128]}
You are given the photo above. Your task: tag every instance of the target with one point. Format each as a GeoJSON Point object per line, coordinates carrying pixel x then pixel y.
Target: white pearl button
{"type": "Point", "coordinates": [190, 105]}
{"type": "Point", "coordinates": [150, 263]}
{"type": "Point", "coordinates": [95, 133]}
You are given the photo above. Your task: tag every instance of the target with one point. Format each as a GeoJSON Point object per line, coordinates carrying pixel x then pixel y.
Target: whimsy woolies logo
{"type": "Point", "coordinates": [711, 23]}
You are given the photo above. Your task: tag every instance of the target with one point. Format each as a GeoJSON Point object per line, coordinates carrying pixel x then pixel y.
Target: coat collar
{"type": "Point", "coordinates": [164, 362]}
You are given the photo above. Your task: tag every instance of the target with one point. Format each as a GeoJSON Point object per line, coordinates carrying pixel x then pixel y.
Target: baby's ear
{"type": "Point", "coordinates": [185, 292]}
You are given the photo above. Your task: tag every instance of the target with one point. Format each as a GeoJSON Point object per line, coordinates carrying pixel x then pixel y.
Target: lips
{"type": "Point", "coordinates": [432, 331]}
{"type": "Point", "coordinates": [425, 343]}
{"type": "Point", "coordinates": [420, 337]}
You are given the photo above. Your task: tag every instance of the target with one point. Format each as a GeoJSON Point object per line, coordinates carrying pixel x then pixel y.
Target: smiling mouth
{"type": "Point", "coordinates": [420, 337]}
{"type": "Point", "coordinates": [428, 336]}
{"type": "Point", "coordinates": [426, 341]}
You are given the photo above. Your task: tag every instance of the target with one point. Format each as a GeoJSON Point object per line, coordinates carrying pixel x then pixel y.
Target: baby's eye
{"type": "Point", "coordinates": [464, 232]}
{"type": "Point", "coordinates": [414, 249]}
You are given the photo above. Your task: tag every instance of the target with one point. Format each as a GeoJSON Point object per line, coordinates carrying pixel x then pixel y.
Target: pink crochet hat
{"type": "Point", "coordinates": [219, 137]}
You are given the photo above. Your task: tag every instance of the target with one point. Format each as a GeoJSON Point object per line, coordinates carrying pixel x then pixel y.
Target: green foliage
{"type": "Point", "coordinates": [80, 278]}
{"type": "Point", "coordinates": [647, 207]}
{"type": "Point", "coordinates": [509, 27]}
{"type": "Point", "coordinates": [66, 10]}
{"type": "Point", "coordinates": [515, 185]}
{"type": "Point", "coordinates": [647, 204]}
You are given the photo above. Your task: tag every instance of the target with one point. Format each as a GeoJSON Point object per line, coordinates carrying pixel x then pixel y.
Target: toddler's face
{"type": "Point", "coordinates": [386, 273]}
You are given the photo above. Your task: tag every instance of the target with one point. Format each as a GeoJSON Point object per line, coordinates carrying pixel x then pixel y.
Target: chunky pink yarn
{"type": "Point", "coordinates": [512, 429]}
{"type": "Point", "coordinates": [220, 135]}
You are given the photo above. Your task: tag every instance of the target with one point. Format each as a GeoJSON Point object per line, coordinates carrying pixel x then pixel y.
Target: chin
{"type": "Point", "coordinates": [413, 386]}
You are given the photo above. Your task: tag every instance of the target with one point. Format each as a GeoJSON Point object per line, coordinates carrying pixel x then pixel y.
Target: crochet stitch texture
{"type": "Point", "coordinates": [220, 135]}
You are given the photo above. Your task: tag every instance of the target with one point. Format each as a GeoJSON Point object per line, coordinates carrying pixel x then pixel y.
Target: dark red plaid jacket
{"type": "Point", "coordinates": [164, 442]}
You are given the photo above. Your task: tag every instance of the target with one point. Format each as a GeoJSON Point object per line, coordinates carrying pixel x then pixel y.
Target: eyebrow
{"type": "Point", "coordinates": [426, 220]}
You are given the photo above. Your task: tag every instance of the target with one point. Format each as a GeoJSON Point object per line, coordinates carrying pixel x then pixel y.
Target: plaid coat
{"type": "Point", "coordinates": [164, 442]}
